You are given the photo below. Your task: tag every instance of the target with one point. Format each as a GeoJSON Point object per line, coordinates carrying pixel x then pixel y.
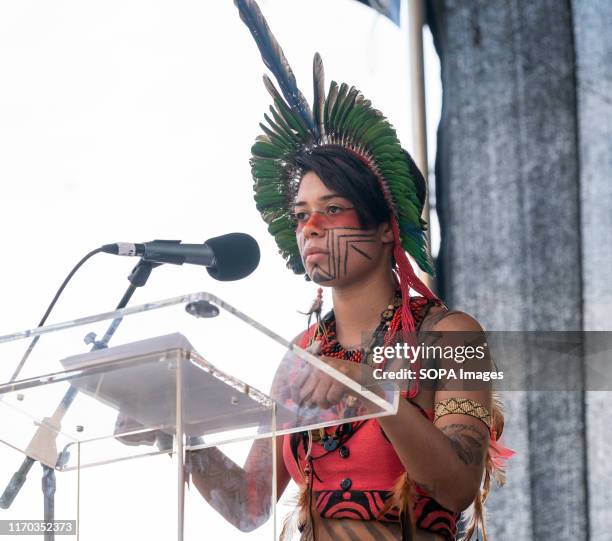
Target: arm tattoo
{"type": "Point", "coordinates": [468, 443]}
{"type": "Point", "coordinates": [241, 496]}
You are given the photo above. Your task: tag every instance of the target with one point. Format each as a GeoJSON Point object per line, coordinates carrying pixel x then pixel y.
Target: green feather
{"type": "Point", "coordinates": [266, 149]}
{"type": "Point", "coordinates": [333, 115]}
{"type": "Point", "coordinates": [329, 104]}
{"type": "Point", "coordinates": [286, 110]}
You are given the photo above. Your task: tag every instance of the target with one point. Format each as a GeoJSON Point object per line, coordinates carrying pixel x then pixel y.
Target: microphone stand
{"type": "Point", "coordinates": [137, 278]}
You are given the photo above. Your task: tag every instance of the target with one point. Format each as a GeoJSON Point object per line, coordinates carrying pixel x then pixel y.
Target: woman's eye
{"type": "Point", "coordinates": [300, 216]}
{"type": "Point", "coordinates": [334, 209]}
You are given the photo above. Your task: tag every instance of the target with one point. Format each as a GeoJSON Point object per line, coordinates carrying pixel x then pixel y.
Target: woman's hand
{"type": "Point", "coordinates": [314, 388]}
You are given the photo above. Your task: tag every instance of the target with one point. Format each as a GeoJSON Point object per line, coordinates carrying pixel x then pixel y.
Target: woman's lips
{"type": "Point", "coordinates": [315, 255]}
{"type": "Point", "coordinates": [314, 252]}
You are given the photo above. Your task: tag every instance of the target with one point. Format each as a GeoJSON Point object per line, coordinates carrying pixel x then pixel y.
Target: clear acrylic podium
{"type": "Point", "coordinates": [169, 430]}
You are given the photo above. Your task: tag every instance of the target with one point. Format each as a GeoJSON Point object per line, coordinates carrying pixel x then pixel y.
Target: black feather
{"type": "Point", "coordinates": [318, 77]}
{"type": "Point", "coordinates": [275, 60]}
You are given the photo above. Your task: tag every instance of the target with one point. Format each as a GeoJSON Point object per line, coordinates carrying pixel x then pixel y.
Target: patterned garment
{"type": "Point", "coordinates": [355, 479]}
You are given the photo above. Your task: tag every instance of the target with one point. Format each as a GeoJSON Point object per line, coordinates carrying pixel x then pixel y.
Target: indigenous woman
{"type": "Point", "coordinates": [343, 201]}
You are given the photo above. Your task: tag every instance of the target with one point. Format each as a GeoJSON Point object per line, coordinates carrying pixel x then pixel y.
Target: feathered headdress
{"type": "Point", "coordinates": [344, 118]}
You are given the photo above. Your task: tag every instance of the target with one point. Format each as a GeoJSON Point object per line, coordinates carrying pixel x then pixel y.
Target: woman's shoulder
{"type": "Point", "coordinates": [439, 317]}
{"type": "Point", "coordinates": [303, 338]}
{"type": "Point", "coordinates": [456, 320]}
{"type": "Point", "coordinates": [300, 338]}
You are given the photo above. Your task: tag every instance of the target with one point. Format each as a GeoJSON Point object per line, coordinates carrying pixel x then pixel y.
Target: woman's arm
{"type": "Point", "coordinates": [243, 496]}
{"type": "Point", "coordinates": [447, 459]}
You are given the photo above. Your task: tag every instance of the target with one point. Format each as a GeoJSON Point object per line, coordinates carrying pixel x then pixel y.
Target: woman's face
{"type": "Point", "coordinates": [335, 249]}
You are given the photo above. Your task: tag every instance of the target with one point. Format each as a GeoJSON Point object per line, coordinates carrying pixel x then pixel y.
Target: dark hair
{"type": "Point", "coordinates": [344, 173]}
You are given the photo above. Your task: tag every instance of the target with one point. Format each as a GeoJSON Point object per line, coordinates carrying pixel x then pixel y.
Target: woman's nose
{"type": "Point", "coordinates": [315, 226]}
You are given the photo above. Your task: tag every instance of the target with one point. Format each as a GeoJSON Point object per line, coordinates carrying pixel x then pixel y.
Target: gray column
{"type": "Point", "coordinates": [508, 199]}
{"type": "Point", "coordinates": [593, 42]}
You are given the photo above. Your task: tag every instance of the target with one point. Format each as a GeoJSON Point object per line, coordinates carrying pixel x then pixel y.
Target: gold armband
{"type": "Point", "coordinates": [465, 406]}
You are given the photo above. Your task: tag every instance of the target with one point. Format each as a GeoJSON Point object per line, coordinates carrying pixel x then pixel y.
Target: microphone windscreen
{"type": "Point", "coordinates": [236, 254]}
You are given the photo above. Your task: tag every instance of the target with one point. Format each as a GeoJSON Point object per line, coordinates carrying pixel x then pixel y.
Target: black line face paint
{"type": "Point", "coordinates": [346, 248]}
{"type": "Point", "coordinates": [347, 243]}
{"type": "Point", "coordinates": [360, 252]}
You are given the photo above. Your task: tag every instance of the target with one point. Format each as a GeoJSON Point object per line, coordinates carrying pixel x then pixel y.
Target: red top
{"type": "Point", "coordinates": [357, 484]}
{"type": "Point", "coordinates": [355, 479]}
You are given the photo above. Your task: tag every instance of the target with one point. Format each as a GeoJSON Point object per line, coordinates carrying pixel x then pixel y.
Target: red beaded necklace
{"type": "Point", "coordinates": [390, 320]}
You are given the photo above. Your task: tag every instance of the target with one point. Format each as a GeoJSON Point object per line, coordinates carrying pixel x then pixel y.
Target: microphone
{"type": "Point", "coordinates": [226, 258]}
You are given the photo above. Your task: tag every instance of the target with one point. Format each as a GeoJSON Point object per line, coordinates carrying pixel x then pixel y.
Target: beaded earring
{"type": "Point", "coordinates": [316, 309]}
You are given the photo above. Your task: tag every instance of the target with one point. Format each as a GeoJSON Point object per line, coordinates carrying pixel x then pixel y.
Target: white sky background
{"type": "Point", "coordinates": [133, 120]}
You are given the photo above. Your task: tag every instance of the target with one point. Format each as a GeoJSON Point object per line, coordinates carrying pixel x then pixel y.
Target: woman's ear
{"type": "Point", "coordinates": [386, 233]}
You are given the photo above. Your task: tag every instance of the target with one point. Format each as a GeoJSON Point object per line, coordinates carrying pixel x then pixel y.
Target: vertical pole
{"type": "Point", "coordinates": [180, 451]}
{"type": "Point", "coordinates": [274, 494]}
{"type": "Point", "coordinates": [48, 488]}
{"type": "Point", "coordinates": [78, 505]}
{"type": "Point", "coordinates": [414, 26]}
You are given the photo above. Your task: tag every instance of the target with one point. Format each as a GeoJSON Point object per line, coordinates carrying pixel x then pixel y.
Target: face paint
{"type": "Point", "coordinates": [324, 219]}
{"type": "Point", "coordinates": [345, 249]}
